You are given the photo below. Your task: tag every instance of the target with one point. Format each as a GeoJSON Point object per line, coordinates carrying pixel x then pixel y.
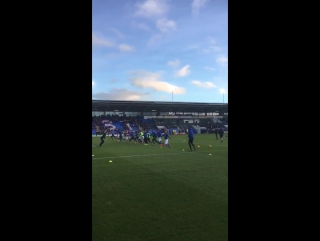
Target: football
{"type": "Point", "coordinates": [198, 146]}
{"type": "Point", "coordinates": [210, 146]}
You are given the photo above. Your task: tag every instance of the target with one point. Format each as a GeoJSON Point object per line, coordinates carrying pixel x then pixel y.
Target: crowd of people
{"type": "Point", "coordinates": [145, 131]}
{"type": "Point", "coordinates": [138, 137]}
{"type": "Point", "coordinates": [144, 137]}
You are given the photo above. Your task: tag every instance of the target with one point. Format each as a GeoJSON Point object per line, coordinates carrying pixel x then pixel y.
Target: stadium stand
{"type": "Point", "coordinates": [173, 117]}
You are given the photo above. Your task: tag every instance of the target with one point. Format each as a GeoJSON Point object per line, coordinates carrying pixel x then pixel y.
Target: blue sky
{"type": "Point", "coordinates": [148, 49]}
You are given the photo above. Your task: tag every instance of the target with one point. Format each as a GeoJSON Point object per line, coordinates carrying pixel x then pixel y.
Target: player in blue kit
{"type": "Point", "coordinates": [191, 137]}
{"type": "Point", "coordinates": [154, 137]}
{"type": "Point", "coordinates": [166, 139]}
{"type": "Point", "coordinates": [159, 135]}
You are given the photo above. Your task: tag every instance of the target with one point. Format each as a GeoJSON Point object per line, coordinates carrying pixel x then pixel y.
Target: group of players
{"type": "Point", "coordinates": [139, 137]}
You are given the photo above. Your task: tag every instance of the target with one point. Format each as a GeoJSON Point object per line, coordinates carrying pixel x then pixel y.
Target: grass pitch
{"type": "Point", "coordinates": [160, 194]}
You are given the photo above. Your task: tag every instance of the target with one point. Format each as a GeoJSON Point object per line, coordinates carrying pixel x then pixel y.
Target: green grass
{"type": "Point", "coordinates": [160, 194]}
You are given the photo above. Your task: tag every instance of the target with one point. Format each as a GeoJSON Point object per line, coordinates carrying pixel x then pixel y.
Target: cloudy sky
{"type": "Point", "coordinates": [159, 50]}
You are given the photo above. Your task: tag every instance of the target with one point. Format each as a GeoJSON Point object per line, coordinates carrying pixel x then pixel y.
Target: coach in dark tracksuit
{"type": "Point", "coordinates": [102, 138]}
{"type": "Point", "coordinates": [216, 132]}
{"type": "Point", "coordinates": [221, 133]}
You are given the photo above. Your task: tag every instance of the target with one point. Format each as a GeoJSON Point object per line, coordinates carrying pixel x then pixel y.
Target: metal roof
{"type": "Point", "coordinates": [159, 106]}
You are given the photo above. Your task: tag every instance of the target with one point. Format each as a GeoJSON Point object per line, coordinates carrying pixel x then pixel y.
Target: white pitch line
{"type": "Point", "coordinates": [174, 153]}
{"type": "Point", "coordinates": [144, 155]}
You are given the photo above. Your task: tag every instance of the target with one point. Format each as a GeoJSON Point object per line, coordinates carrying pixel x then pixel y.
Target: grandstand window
{"type": "Point", "coordinates": [190, 113]}
{"type": "Point", "coordinates": [164, 113]}
{"type": "Point", "coordinates": [149, 113]}
{"type": "Point", "coordinates": [132, 113]}
{"type": "Point", "coordinates": [97, 113]}
{"type": "Point", "coordinates": [113, 113]}
{"type": "Point", "coordinates": [212, 113]}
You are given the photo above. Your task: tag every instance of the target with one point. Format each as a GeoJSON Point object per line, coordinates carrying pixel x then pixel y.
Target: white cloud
{"type": "Point", "coordinates": [98, 41]}
{"type": "Point", "coordinates": [125, 48]}
{"type": "Point", "coordinates": [145, 80]}
{"type": "Point", "coordinates": [196, 5]}
{"type": "Point", "coordinates": [151, 8]}
{"type": "Point", "coordinates": [164, 24]}
{"type": "Point", "coordinates": [121, 94]}
{"type": "Point", "coordinates": [174, 63]}
{"type": "Point", "coordinates": [184, 71]}
{"type": "Point", "coordinates": [222, 60]}
{"type": "Point", "coordinates": [203, 84]}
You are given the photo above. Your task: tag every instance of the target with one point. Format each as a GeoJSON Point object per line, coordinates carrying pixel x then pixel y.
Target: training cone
{"type": "Point", "coordinates": [110, 161]}
{"type": "Point", "coordinates": [209, 154]}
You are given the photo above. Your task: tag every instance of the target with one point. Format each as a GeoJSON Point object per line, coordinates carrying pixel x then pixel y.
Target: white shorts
{"type": "Point", "coordinates": [166, 141]}
{"type": "Point", "coordinates": [159, 139]}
